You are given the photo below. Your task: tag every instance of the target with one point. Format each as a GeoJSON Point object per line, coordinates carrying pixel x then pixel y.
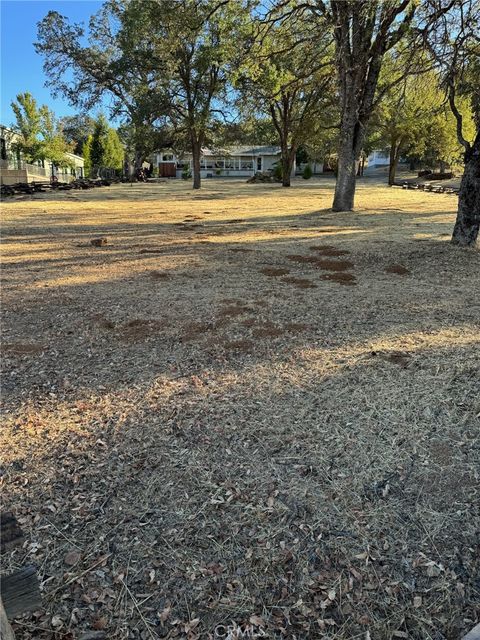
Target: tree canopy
{"type": "Point", "coordinates": [39, 133]}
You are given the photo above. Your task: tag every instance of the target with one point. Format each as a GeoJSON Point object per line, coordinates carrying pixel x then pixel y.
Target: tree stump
{"type": "Point", "coordinates": [19, 591]}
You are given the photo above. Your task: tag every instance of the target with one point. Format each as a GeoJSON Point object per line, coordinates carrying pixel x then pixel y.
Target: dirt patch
{"type": "Point", "coordinates": [196, 330]}
{"type": "Point", "coordinates": [326, 265]}
{"type": "Point", "coordinates": [241, 250]}
{"type": "Point", "coordinates": [341, 278]}
{"type": "Point", "coordinates": [103, 322]}
{"type": "Point", "coordinates": [301, 283]}
{"type": "Point", "coordinates": [159, 275]}
{"type": "Point", "coordinates": [328, 250]}
{"type": "Point", "coordinates": [235, 221]}
{"type": "Point", "coordinates": [138, 329]}
{"type": "Point", "coordinates": [272, 271]}
{"type": "Point", "coordinates": [399, 269]}
{"type": "Point", "coordinates": [22, 348]}
{"type": "Point", "coordinates": [297, 327]}
{"type": "Point", "coordinates": [234, 310]}
{"type": "Point", "coordinates": [335, 265]}
{"type": "Point", "coordinates": [244, 346]}
{"type": "Point", "coordinates": [268, 330]}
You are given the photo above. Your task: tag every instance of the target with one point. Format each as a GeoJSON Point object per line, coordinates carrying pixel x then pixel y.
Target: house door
{"type": "Point", "coordinates": [167, 170]}
{"type": "Point", "coordinates": [259, 164]}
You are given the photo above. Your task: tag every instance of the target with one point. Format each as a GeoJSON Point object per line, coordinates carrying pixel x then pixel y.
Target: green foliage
{"type": "Point", "coordinates": [307, 172]}
{"type": "Point", "coordinates": [288, 79]}
{"type": "Point", "coordinates": [39, 134]}
{"type": "Point", "coordinates": [76, 130]}
{"type": "Point", "coordinates": [413, 120]}
{"type": "Point", "coordinates": [278, 172]}
{"type": "Point", "coordinates": [87, 156]}
{"type": "Point", "coordinates": [105, 149]}
{"type": "Point", "coordinates": [186, 173]}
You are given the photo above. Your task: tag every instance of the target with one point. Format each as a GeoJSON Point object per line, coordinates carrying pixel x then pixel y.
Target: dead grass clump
{"type": "Point", "coordinates": [234, 310]}
{"type": "Point", "coordinates": [241, 249]}
{"type": "Point", "coordinates": [296, 327]}
{"type": "Point", "coordinates": [159, 275]}
{"type": "Point", "coordinates": [400, 358]}
{"type": "Point", "coordinates": [103, 322]}
{"type": "Point", "coordinates": [341, 278]}
{"type": "Point", "coordinates": [244, 346]}
{"type": "Point", "coordinates": [271, 271]}
{"type": "Point", "coordinates": [328, 250]}
{"type": "Point", "coordinates": [235, 221]}
{"type": "Point", "coordinates": [301, 283]}
{"type": "Point", "coordinates": [151, 251]}
{"type": "Point", "coordinates": [22, 348]}
{"type": "Point", "coordinates": [139, 329]}
{"type": "Point", "coordinates": [196, 330]}
{"type": "Point", "coordinates": [268, 330]}
{"type": "Point", "coordinates": [334, 265]}
{"type": "Point", "coordinates": [249, 322]}
{"type": "Point", "coordinates": [399, 269]}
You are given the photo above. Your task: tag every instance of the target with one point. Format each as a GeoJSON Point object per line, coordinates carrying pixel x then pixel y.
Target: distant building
{"type": "Point", "coordinates": [237, 161]}
{"type": "Point", "coordinates": [378, 159]}
{"type": "Point", "coordinates": [13, 167]}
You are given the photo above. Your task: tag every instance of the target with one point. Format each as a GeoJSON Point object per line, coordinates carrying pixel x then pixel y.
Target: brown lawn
{"type": "Point", "coordinates": [243, 414]}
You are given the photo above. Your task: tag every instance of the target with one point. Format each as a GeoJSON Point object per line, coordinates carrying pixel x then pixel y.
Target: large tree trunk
{"type": "Point", "coordinates": [465, 232]}
{"type": "Point", "coordinates": [288, 157]}
{"type": "Point", "coordinates": [348, 157]}
{"type": "Point", "coordinates": [394, 157]}
{"type": "Point", "coordinates": [196, 153]}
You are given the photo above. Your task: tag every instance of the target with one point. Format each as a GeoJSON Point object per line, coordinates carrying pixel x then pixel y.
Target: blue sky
{"type": "Point", "coordinates": [21, 67]}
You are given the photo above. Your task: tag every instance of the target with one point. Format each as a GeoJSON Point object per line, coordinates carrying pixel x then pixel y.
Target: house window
{"type": "Point", "coordinates": [168, 157]}
{"type": "Point", "coordinates": [3, 149]}
{"type": "Point", "coordinates": [246, 164]}
{"type": "Point", "coordinates": [259, 164]}
{"type": "Point", "coordinates": [229, 164]}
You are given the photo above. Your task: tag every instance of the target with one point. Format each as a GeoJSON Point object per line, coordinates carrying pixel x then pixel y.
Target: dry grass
{"type": "Point", "coordinates": [284, 456]}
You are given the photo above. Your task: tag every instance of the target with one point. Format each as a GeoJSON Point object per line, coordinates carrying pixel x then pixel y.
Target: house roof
{"type": "Point", "coordinates": [242, 150]}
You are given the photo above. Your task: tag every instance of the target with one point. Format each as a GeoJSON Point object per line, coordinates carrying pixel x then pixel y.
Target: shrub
{"type": "Point", "coordinates": [277, 172]}
{"type": "Point", "coordinates": [307, 172]}
{"type": "Point", "coordinates": [186, 173]}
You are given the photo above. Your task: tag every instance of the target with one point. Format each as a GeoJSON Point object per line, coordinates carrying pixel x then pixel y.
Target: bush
{"type": "Point", "coordinates": [307, 172]}
{"type": "Point", "coordinates": [277, 172]}
{"type": "Point", "coordinates": [186, 173]}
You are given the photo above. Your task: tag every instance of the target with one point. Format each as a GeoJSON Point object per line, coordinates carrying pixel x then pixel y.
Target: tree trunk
{"type": "Point", "coordinates": [465, 232]}
{"type": "Point", "coordinates": [347, 168]}
{"type": "Point", "coordinates": [394, 157]}
{"type": "Point", "coordinates": [138, 161]}
{"type": "Point", "coordinates": [288, 156]}
{"type": "Point", "coordinates": [196, 153]}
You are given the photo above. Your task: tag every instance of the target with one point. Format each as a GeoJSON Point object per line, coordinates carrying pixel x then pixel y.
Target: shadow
{"type": "Point", "coordinates": [218, 441]}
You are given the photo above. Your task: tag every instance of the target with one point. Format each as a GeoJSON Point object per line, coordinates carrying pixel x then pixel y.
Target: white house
{"type": "Point", "coordinates": [237, 161]}
{"type": "Point", "coordinates": [14, 169]}
{"type": "Point", "coordinates": [378, 158]}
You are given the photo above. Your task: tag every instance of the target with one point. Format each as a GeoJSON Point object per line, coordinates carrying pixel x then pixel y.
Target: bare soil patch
{"type": "Point", "coordinates": [341, 278]}
{"type": "Point", "coordinates": [399, 269]}
{"type": "Point", "coordinates": [272, 271]}
{"type": "Point", "coordinates": [219, 452]}
{"type": "Point", "coordinates": [301, 283]}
